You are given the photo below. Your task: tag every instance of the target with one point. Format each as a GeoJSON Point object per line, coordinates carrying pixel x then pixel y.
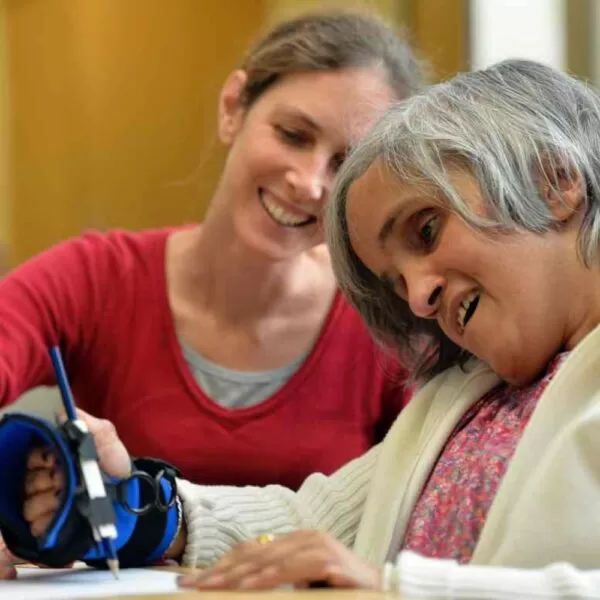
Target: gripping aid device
{"type": "Point", "coordinates": [139, 516]}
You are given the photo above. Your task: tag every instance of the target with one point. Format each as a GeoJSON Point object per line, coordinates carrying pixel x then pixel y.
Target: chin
{"type": "Point", "coordinates": [279, 245]}
{"type": "Point", "coordinates": [519, 373]}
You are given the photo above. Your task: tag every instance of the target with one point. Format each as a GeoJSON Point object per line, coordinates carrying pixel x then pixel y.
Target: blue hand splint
{"type": "Point", "coordinates": [142, 507]}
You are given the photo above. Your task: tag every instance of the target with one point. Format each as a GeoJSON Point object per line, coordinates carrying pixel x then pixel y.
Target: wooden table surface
{"type": "Point", "coordinates": [275, 595]}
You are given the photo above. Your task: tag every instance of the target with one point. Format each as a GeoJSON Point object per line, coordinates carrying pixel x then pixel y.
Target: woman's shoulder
{"type": "Point", "coordinates": [95, 242]}
{"type": "Point", "coordinates": [121, 240]}
{"type": "Point", "coordinates": [93, 259]}
{"type": "Point", "coordinates": [118, 251]}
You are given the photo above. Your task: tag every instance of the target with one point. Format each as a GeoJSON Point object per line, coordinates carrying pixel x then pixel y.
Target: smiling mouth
{"type": "Point", "coordinates": [281, 216]}
{"type": "Point", "coordinates": [467, 308]}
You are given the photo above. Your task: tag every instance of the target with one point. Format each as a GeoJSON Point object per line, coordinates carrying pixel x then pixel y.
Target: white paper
{"type": "Point", "coordinates": [67, 584]}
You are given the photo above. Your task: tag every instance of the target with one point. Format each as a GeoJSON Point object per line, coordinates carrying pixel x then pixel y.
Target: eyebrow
{"type": "Point", "coordinates": [294, 112]}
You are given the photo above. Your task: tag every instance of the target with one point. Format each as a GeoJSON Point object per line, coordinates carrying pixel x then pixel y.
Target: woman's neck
{"type": "Point", "coordinates": [212, 269]}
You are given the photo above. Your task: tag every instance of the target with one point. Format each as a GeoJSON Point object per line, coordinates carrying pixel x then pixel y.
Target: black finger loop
{"type": "Point", "coordinates": [155, 484]}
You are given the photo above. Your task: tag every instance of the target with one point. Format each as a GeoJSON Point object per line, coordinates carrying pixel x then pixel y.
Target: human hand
{"type": "Point", "coordinates": [298, 559]}
{"type": "Point", "coordinates": [44, 479]}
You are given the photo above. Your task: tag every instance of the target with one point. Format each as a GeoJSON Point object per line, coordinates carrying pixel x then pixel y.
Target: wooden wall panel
{"type": "Point", "coordinates": [581, 30]}
{"type": "Point", "coordinates": [280, 9]}
{"type": "Point", "coordinates": [440, 31]}
{"type": "Point", "coordinates": [113, 105]}
{"type": "Point", "coordinates": [5, 193]}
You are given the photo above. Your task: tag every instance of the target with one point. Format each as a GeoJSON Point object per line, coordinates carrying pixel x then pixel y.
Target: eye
{"type": "Point", "coordinates": [291, 136]}
{"type": "Point", "coordinates": [428, 226]}
{"type": "Point", "coordinates": [337, 161]}
{"type": "Point", "coordinates": [428, 230]}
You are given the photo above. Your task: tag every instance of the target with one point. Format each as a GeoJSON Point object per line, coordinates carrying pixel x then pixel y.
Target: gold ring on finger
{"type": "Point", "coordinates": [265, 538]}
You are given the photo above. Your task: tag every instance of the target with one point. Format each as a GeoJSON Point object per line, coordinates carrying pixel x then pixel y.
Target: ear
{"type": "Point", "coordinates": [231, 109]}
{"type": "Point", "coordinates": [564, 189]}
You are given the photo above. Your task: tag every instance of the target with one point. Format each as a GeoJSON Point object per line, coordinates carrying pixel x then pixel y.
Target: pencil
{"type": "Point", "coordinates": [69, 403]}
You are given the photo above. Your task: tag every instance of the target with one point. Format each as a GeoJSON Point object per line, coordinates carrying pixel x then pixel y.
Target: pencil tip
{"type": "Point", "coordinates": [113, 565]}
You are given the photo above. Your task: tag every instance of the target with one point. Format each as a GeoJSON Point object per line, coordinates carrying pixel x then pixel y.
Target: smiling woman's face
{"type": "Point", "coordinates": [513, 300]}
{"type": "Point", "coordinates": [285, 151]}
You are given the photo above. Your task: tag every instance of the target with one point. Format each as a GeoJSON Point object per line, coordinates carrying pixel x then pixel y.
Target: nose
{"type": "Point", "coordinates": [424, 291]}
{"type": "Point", "coordinates": [309, 179]}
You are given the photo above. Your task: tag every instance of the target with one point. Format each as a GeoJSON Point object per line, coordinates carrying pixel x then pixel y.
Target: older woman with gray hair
{"type": "Point", "coordinates": [465, 229]}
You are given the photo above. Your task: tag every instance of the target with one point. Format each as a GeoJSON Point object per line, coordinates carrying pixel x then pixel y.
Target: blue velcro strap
{"type": "Point", "coordinates": [125, 520]}
{"type": "Point", "coordinates": [170, 525]}
{"type": "Point", "coordinates": [158, 516]}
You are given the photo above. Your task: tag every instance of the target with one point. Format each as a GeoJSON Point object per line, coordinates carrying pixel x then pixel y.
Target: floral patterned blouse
{"type": "Point", "coordinates": [450, 513]}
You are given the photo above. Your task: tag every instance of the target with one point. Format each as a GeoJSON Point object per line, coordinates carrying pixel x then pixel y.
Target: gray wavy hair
{"type": "Point", "coordinates": [515, 126]}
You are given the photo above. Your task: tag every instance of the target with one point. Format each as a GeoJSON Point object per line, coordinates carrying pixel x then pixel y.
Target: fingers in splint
{"type": "Point", "coordinates": [41, 458]}
{"type": "Point", "coordinates": [43, 480]}
{"type": "Point", "coordinates": [40, 505]}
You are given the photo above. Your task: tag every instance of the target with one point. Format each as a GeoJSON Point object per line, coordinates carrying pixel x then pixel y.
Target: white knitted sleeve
{"type": "Point", "coordinates": [415, 576]}
{"type": "Point", "coordinates": [218, 517]}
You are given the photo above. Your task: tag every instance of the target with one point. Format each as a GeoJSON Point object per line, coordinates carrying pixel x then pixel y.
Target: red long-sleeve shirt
{"type": "Point", "coordinates": [103, 299]}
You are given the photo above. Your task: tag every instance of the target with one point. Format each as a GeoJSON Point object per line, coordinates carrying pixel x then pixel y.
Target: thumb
{"type": "Point", "coordinates": [102, 430]}
{"type": "Point", "coordinates": [94, 424]}
{"type": "Point", "coordinates": [113, 456]}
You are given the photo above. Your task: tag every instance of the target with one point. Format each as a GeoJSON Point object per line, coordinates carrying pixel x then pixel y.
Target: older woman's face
{"type": "Point", "coordinates": [513, 300]}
